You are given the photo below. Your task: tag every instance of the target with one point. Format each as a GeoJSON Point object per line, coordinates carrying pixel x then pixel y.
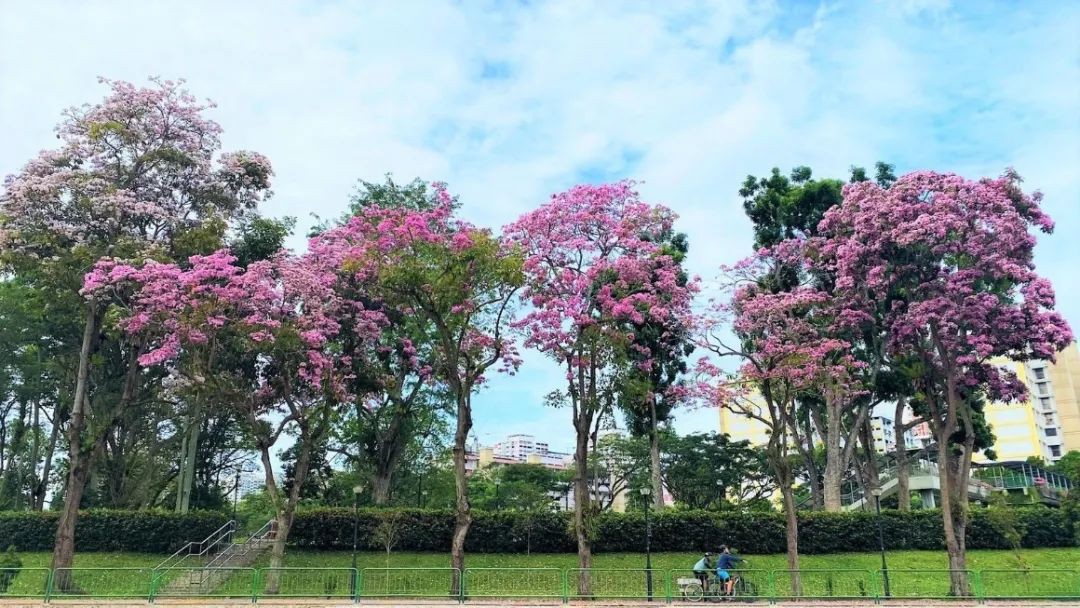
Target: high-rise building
{"type": "Point", "coordinates": [1065, 383]}
{"type": "Point", "coordinates": [742, 427]}
{"type": "Point", "coordinates": [883, 430]}
{"type": "Point", "coordinates": [525, 448]}
{"type": "Point", "coordinates": [1047, 424]}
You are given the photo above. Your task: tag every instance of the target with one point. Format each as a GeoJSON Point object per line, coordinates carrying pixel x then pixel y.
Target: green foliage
{"type": "Point", "coordinates": [1069, 466]}
{"type": "Point", "coordinates": [417, 195]}
{"type": "Point", "coordinates": [679, 530]}
{"type": "Point", "coordinates": [261, 238]}
{"type": "Point", "coordinates": [783, 207]}
{"type": "Point", "coordinates": [109, 530]}
{"type": "Point", "coordinates": [709, 470]}
{"type": "Point", "coordinates": [10, 566]}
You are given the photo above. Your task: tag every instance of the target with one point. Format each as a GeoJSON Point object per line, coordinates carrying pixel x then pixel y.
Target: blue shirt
{"type": "Point", "coordinates": [727, 561]}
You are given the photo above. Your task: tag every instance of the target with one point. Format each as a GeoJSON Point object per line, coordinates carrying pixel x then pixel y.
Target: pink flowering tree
{"type": "Point", "coordinates": [593, 263]}
{"type": "Point", "coordinates": [954, 259]}
{"type": "Point", "coordinates": [458, 278]}
{"type": "Point", "coordinates": [402, 402]}
{"type": "Point", "coordinates": [283, 315]}
{"type": "Point", "coordinates": [137, 175]}
{"type": "Point", "coordinates": [781, 338]}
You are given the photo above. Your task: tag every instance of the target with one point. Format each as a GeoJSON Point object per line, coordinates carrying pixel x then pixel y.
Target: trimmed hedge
{"type": "Point", "coordinates": [109, 530]}
{"type": "Point", "coordinates": [684, 531]}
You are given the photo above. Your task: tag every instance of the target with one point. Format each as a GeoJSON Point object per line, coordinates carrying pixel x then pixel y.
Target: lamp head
{"type": "Point", "coordinates": [645, 491]}
{"type": "Point", "coordinates": [358, 490]}
{"type": "Point", "coordinates": [876, 492]}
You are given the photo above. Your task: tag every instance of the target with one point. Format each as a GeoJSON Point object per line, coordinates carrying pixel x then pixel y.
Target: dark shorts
{"type": "Point", "coordinates": [702, 576]}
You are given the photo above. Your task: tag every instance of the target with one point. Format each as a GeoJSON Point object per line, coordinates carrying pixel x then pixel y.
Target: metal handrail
{"type": "Point", "coordinates": [264, 533]}
{"type": "Point", "coordinates": [203, 546]}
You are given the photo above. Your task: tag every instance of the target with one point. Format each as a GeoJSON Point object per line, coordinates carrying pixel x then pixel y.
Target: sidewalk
{"type": "Point", "coordinates": [306, 603]}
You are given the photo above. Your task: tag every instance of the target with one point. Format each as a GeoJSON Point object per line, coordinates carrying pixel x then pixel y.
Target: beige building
{"type": "Point", "coordinates": [1065, 379]}
{"type": "Point", "coordinates": [1047, 424]}
{"type": "Point", "coordinates": [742, 427]}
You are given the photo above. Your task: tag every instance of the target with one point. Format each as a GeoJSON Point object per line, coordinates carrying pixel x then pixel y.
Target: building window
{"type": "Point", "coordinates": [1048, 419]}
{"type": "Point", "coordinates": [1045, 402]}
{"type": "Point", "coordinates": [1051, 432]}
{"type": "Point", "coordinates": [1040, 373]}
{"type": "Point", "coordinates": [1044, 388]}
{"type": "Point", "coordinates": [1055, 451]}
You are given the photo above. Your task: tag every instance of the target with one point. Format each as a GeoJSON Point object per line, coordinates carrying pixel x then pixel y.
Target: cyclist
{"type": "Point", "coordinates": [702, 569]}
{"type": "Point", "coordinates": [724, 563]}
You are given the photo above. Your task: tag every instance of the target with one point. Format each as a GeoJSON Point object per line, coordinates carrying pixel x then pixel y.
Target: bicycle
{"type": "Point", "coordinates": [692, 590]}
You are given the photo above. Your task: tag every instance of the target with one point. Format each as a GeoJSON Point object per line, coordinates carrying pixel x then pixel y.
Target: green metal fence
{"type": "Point", "coordinates": [1029, 584]}
{"type": "Point", "coordinates": [434, 583]}
{"type": "Point", "coordinates": [823, 584]}
{"type": "Point", "coordinates": [549, 584]}
{"type": "Point", "coordinates": [103, 583]}
{"type": "Point", "coordinates": [617, 583]}
{"type": "Point", "coordinates": [324, 583]}
{"type": "Point", "coordinates": [205, 582]}
{"type": "Point", "coordinates": [537, 583]}
{"type": "Point", "coordinates": [26, 582]}
{"type": "Point", "coordinates": [926, 584]}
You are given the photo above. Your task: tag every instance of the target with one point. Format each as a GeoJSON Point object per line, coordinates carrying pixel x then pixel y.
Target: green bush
{"type": "Point", "coordinates": [109, 530]}
{"type": "Point", "coordinates": [10, 566]}
{"type": "Point", "coordinates": [678, 530]}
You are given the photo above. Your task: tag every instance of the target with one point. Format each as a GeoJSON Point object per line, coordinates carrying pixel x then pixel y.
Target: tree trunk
{"type": "Point", "coordinates": [380, 487]}
{"type": "Point", "coordinates": [817, 499]}
{"type": "Point", "coordinates": [903, 491]}
{"type": "Point", "coordinates": [64, 550]}
{"type": "Point", "coordinates": [42, 486]}
{"type": "Point", "coordinates": [872, 474]}
{"type": "Point", "coordinates": [582, 501]}
{"type": "Point", "coordinates": [657, 477]}
{"type": "Point", "coordinates": [78, 459]}
{"type": "Point", "coordinates": [791, 518]}
{"type": "Point", "coordinates": [286, 510]}
{"type": "Point", "coordinates": [462, 512]}
{"type": "Point", "coordinates": [186, 481]}
{"type": "Point", "coordinates": [954, 523]}
{"type": "Point", "coordinates": [834, 472]}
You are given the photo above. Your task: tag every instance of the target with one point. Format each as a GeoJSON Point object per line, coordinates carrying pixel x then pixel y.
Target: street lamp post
{"type": "Point", "coordinates": [881, 541]}
{"type": "Point", "coordinates": [497, 484]}
{"type": "Point", "coordinates": [419, 489]}
{"type": "Point", "coordinates": [423, 499]}
{"type": "Point", "coordinates": [357, 490]}
{"type": "Point", "coordinates": [645, 492]}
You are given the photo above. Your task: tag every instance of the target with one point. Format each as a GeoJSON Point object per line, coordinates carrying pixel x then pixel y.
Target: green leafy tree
{"type": "Point", "coordinates": [710, 471]}
{"type": "Point", "coordinates": [1069, 466]}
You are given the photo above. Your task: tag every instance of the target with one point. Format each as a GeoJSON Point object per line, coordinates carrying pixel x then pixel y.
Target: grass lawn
{"type": "Point", "coordinates": [846, 574]}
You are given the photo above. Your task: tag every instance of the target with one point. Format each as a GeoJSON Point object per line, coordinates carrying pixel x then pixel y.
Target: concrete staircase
{"type": "Point", "coordinates": [216, 561]}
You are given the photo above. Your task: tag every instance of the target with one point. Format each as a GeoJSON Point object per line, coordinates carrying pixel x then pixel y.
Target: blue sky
{"type": "Point", "coordinates": [511, 101]}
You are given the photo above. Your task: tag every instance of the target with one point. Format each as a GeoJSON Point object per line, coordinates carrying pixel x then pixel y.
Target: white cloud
{"type": "Point", "coordinates": [687, 96]}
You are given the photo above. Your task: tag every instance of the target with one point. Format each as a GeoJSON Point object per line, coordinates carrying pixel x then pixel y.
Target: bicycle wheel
{"type": "Point", "coordinates": [693, 592]}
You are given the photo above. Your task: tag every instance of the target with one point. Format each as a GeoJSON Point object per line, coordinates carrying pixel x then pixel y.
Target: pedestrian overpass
{"type": "Point", "coordinates": [1019, 482]}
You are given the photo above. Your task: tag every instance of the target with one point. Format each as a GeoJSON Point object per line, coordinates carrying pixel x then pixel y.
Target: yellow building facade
{"type": "Point", "coordinates": [1065, 380]}
{"type": "Point", "coordinates": [1047, 424]}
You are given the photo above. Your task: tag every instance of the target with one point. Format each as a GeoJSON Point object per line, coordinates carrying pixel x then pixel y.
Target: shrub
{"type": "Point", "coordinates": [10, 566]}
{"type": "Point", "coordinates": [110, 530]}
{"type": "Point", "coordinates": [685, 531]}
